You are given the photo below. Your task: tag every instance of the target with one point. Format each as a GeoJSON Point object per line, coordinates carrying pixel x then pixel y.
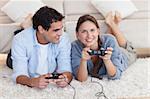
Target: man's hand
{"type": "Point", "coordinates": [41, 82]}
{"type": "Point", "coordinates": [64, 79]}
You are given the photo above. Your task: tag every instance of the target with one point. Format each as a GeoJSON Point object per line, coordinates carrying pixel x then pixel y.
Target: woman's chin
{"type": "Point", "coordinates": [88, 45]}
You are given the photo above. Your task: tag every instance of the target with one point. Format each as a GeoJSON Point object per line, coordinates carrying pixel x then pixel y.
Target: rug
{"type": "Point", "coordinates": [134, 84]}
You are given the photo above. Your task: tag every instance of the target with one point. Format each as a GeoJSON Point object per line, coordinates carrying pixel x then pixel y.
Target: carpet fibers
{"type": "Point", "coordinates": [134, 84]}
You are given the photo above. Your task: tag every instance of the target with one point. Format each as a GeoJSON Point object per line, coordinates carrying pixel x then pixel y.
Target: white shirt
{"type": "Point", "coordinates": [43, 59]}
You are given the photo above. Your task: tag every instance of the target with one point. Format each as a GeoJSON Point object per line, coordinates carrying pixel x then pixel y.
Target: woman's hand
{"type": "Point", "coordinates": [85, 55]}
{"type": "Point", "coordinates": [108, 54]}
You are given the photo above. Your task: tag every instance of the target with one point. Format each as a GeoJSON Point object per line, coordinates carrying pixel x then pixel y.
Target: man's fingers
{"type": "Point", "coordinates": [62, 84]}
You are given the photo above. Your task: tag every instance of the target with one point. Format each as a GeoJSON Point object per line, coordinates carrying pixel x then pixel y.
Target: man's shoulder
{"type": "Point", "coordinates": [25, 37]}
{"type": "Point", "coordinates": [25, 34]}
{"type": "Point", "coordinates": [64, 38]}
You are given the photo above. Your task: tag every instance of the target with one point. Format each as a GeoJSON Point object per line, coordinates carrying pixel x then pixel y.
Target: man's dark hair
{"type": "Point", "coordinates": [45, 16]}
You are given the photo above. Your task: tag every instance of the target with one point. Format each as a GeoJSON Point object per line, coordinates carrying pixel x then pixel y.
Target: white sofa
{"type": "Point", "coordinates": [134, 27]}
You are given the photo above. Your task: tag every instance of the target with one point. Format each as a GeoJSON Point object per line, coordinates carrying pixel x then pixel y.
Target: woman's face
{"type": "Point", "coordinates": [88, 33]}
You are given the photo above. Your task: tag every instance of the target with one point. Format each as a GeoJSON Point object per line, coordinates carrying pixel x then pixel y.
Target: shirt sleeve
{"type": "Point", "coordinates": [117, 58]}
{"type": "Point", "coordinates": [75, 58]}
{"type": "Point", "coordinates": [19, 58]}
{"type": "Point", "coordinates": [64, 59]}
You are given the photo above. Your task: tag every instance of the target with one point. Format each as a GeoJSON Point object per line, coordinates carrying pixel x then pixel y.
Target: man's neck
{"type": "Point", "coordinates": [41, 39]}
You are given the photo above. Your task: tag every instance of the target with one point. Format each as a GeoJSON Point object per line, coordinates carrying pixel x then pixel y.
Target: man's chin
{"type": "Point", "coordinates": [56, 42]}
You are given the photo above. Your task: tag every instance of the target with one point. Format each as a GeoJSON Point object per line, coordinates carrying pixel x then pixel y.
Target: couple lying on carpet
{"type": "Point", "coordinates": [44, 48]}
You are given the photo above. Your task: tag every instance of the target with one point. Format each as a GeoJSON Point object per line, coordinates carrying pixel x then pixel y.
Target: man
{"type": "Point", "coordinates": [39, 51]}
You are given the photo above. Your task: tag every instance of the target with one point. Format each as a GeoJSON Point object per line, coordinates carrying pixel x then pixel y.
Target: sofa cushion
{"type": "Point", "coordinates": [6, 35]}
{"type": "Point", "coordinates": [126, 7]}
{"type": "Point", "coordinates": [135, 30]}
{"type": "Point", "coordinates": [56, 4]}
{"type": "Point", "coordinates": [18, 10]}
{"type": "Point", "coordinates": [3, 17]}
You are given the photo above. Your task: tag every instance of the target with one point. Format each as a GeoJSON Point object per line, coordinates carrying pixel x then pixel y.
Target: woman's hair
{"type": "Point", "coordinates": [84, 18]}
{"type": "Point", "coordinates": [45, 16]}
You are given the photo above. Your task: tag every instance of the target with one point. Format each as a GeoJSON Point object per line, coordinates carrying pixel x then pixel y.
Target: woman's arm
{"type": "Point", "coordinates": [82, 72]}
{"type": "Point", "coordinates": [110, 67]}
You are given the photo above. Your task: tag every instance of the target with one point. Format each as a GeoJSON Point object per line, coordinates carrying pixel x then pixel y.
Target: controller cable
{"type": "Point", "coordinates": [98, 94]}
{"type": "Point", "coordinates": [74, 90]}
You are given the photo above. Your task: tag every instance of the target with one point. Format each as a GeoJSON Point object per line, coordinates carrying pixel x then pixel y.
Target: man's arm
{"type": "Point", "coordinates": [24, 80]}
{"type": "Point", "coordinates": [39, 82]}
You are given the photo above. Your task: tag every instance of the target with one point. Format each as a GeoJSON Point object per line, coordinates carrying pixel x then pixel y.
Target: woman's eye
{"type": "Point", "coordinates": [92, 30]}
{"type": "Point", "coordinates": [84, 31]}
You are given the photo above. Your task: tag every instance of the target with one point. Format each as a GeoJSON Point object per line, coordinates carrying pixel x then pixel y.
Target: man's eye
{"type": "Point", "coordinates": [56, 30]}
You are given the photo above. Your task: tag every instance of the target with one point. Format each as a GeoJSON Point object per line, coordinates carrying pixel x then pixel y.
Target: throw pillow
{"type": "Point", "coordinates": [17, 10]}
{"type": "Point", "coordinates": [124, 7]}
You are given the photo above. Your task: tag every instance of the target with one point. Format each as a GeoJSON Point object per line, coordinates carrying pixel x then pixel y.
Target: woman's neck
{"type": "Point", "coordinates": [95, 46]}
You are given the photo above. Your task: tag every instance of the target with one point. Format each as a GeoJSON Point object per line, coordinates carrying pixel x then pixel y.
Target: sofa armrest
{"type": "Point", "coordinates": [143, 52]}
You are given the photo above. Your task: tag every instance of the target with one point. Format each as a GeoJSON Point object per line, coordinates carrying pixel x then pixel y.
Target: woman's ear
{"type": "Point", "coordinates": [41, 29]}
{"type": "Point", "coordinates": [99, 32]}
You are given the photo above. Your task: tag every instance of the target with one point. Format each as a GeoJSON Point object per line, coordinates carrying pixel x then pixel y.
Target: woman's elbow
{"type": "Point", "coordinates": [82, 79]}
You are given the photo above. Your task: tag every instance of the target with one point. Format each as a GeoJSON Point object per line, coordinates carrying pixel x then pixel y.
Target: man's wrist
{"type": "Point", "coordinates": [31, 82]}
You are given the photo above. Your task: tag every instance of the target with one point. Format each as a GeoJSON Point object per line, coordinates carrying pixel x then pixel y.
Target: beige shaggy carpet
{"type": "Point", "coordinates": [134, 84]}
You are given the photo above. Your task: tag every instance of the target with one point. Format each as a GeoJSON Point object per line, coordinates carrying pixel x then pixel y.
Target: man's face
{"type": "Point", "coordinates": [54, 32]}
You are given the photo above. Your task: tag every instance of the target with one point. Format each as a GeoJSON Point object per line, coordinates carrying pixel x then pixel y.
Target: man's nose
{"type": "Point", "coordinates": [59, 33]}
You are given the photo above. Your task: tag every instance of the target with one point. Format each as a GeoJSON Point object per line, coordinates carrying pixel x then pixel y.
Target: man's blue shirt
{"type": "Point", "coordinates": [25, 51]}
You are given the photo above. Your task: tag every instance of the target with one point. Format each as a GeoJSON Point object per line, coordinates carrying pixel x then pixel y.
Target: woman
{"type": "Point", "coordinates": [119, 52]}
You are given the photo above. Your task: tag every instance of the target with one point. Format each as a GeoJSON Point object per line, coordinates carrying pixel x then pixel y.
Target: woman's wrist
{"type": "Point", "coordinates": [106, 60]}
{"type": "Point", "coordinates": [83, 60]}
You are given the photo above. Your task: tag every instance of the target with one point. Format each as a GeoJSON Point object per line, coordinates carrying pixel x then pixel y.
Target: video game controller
{"type": "Point", "coordinates": [100, 52]}
{"type": "Point", "coordinates": [54, 76]}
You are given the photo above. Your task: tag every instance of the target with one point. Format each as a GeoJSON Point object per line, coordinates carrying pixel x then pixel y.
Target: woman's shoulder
{"type": "Point", "coordinates": [76, 45]}
{"type": "Point", "coordinates": [108, 40]}
{"type": "Point", "coordinates": [107, 36]}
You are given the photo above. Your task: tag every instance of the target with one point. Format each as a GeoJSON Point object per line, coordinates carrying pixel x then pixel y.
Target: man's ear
{"type": "Point", "coordinates": [77, 34]}
{"type": "Point", "coordinates": [41, 29]}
